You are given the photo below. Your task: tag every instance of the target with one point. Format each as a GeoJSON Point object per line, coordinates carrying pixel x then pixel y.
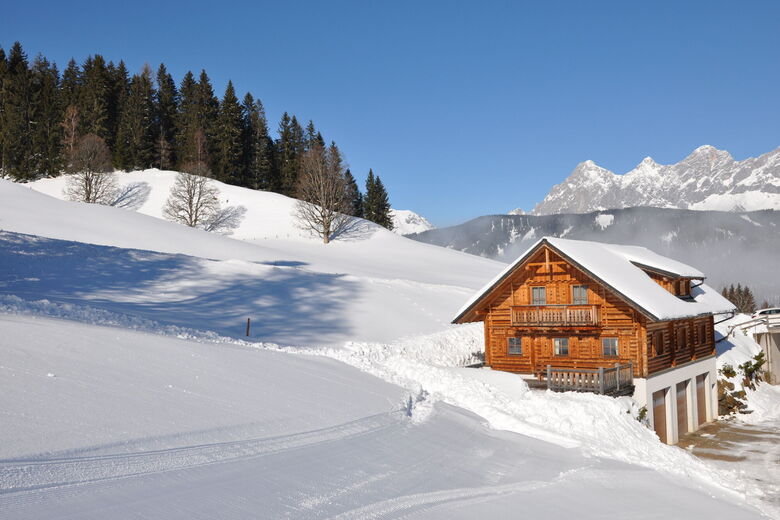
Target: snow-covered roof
{"type": "Point", "coordinates": [617, 266]}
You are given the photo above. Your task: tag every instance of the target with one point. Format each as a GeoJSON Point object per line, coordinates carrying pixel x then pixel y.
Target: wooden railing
{"type": "Point", "coordinates": [555, 315]}
{"type": "Point", "coordinates": [614, 380]}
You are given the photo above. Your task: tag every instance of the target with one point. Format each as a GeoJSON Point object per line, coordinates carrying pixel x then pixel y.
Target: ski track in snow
{"type": "Point", "coordinates": [35, 474]}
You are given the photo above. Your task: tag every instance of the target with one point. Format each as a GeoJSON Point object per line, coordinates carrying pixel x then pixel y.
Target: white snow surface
{"type": "Point", "coordinates": [614, 264]}
{"type": "Point", "coordinates": [129, 390]}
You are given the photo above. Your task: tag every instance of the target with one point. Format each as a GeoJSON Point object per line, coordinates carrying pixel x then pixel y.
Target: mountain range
{"type": "Point", "coordinates": [708, 179]}
{"type": "Point", "coordinates": [729, 247]}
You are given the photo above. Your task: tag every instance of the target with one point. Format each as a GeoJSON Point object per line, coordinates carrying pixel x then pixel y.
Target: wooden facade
{"type": "Point", "coordinates": [550, 311]}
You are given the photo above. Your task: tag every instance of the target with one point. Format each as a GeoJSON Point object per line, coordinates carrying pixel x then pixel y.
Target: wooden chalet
{"type": "Point", "coordinates": [609, 318]}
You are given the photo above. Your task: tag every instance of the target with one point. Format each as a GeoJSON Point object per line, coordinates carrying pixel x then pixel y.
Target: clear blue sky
{"type": "Point", "coordinates": [463, 109]}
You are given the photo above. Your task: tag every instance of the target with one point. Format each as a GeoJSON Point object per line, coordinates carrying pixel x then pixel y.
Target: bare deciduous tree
{"type": "Point", "coordinates": [93, 179]}
{"type": "Point", "coordinates": [70, 133]}
{"type": "Point", "coordinates": [322, 202]}
{"type": "Point", "coordinates": [194, 202]}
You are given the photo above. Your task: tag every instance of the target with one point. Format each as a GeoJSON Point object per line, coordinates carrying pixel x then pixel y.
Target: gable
{"type": "Point", "coordinates": [614, 268]}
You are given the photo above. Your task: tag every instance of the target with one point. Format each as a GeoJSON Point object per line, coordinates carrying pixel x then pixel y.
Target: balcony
{"type": "Point", "coordinates": [555, 316]}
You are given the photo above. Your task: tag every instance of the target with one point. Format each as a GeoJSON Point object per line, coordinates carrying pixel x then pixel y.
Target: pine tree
{"type": "Point", "coordinates": [289, 147]}
{"type": "Point", "coordinates": [186, 120]}
{"type": "Point", "coordinates": [70, 86]}
{"type": "Point", "coordinates": [94, 97]}
{"type": "Point", "coordinates": [47, 116]}
{"type": "Point", "coordinates": [17, 117]}
{"type": "Point", "coordinates": [312, 137]}
{"type": "Point", "coordinates": [166, 106]}
{"type": "Point", "coordinates": [3, 74]}
{"type": "Point", "coordinates": [376, 206]}
{"type": "Point", "coordinates": [354, 197]}
{"type": "Point", "coordinates": [259, 173]}
{"type": "Point", "coordinates": [228, 138]}
{"type": "Point", "coordinates": [207, 109]}
{"type": "Point", "coordinates": [119, 90]}
{"type": "Point", "coordinates": [135, 137]}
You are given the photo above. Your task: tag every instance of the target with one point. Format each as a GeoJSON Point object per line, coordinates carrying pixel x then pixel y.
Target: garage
{"type": "Point", "coordinates": [659, 414]}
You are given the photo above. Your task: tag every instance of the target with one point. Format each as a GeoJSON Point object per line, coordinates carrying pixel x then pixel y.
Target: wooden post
{"type": "Point", "coordinates": [617, 376]}
{"type": "Point", "coordinates": [601, 380]}
{"type": "Point", "coordinates": [549, 376]}
{"type": "Point", "coordinates": [248, 325]}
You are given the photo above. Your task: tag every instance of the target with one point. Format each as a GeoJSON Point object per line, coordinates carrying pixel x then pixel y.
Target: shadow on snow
{"type": "Point", "coordinates": [287, 304]}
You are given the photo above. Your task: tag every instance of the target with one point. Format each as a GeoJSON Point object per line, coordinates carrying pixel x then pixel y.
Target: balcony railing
{"type": "Point", "coordinates": [615, 380]}
{"type": "Point", "coordinates": [555, 315]}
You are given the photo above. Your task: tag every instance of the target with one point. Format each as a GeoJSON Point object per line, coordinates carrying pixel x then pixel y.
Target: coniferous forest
{"type": "Point", "coordinates": [147, 121]}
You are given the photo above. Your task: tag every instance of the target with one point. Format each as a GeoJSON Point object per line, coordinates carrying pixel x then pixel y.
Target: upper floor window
{"type": "Point", "coordinates": [514, 347]}
{"type": "Point", "coordinates": [579, 294]}
{"type": "Point", "coordinates": [538, 296]}
{"type": "Point", "coordinates": [561, 346]}
{"type": "Point", "coordinates": [658, 342]}
{"type": "Point", "coordinates": [702, 334]}
{"type": "Point", "coordinates": [682, 338]}
{"type": "Point", "coordinates": [609, 346]}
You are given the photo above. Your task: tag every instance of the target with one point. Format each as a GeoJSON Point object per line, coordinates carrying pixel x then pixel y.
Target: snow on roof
{"type": "Point", "coordinates": [616, 266]}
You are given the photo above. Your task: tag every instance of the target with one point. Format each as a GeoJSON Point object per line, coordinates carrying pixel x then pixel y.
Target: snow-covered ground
{"type": "Point", "coordinates": [129, 390]}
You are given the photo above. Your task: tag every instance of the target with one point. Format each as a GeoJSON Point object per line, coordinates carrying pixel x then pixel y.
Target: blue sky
{"type": "Point", "coordinates": [463, 108]}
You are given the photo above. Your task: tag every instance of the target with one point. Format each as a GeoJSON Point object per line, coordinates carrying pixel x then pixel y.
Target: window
{"type": "Point", "coordinates": [538, 296]}
{"type": "Point", "coordinates": [702, 334]}
{"type": "Point", "coordinates": [658, 342]}
{"type": "Point", "coordinates": [561, 346]}
{"type": "Point", "coordinates": [579, 294]}
{"type": "Point", "coordinates": [609, 346]}
{"type": "Point", "coordinates": [682, 338]}
{"type": "Point", "coordinates": [514, 347]}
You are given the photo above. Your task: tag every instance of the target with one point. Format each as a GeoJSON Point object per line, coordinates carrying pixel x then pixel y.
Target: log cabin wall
{"type": "Point", "coordinates": [615, 319]}
{"type": "Point", "coordinates": [676, 286]}
{"type": "Point", "coordinates": [671, 343]}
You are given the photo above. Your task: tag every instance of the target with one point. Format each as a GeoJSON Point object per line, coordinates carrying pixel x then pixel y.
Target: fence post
{"type": "Point", "coordinates": [549, 376]}
{"type": "Point", "coordinates": [248, 324]}
{"type": "Point", "coordinates": [617, 376]}
{"type": "Point", "coordinates": [601, 380]}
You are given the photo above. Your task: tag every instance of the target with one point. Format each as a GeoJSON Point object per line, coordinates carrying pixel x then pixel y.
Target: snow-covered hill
{"type": "Point", "coordinates": [406, 222]}
{"type": "Point", "coordinates": [131, 391]}
{"type": "Point", "coordinates": [707, 179]}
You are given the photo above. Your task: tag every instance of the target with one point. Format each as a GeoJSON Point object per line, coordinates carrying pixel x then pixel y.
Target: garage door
{"type": "Point", "coordinates": [701, 398]}
{"type": "Point", "coordinates": [682, 408]}
{"type": "Point", "coordinates": [659, 414]}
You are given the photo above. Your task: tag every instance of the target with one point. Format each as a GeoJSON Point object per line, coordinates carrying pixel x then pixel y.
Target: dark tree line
{"type": "Point", "coordinates": [147, 121]}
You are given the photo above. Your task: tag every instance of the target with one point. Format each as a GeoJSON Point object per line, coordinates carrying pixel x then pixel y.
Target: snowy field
{"type": "Point", "coordinates": [130, 390]}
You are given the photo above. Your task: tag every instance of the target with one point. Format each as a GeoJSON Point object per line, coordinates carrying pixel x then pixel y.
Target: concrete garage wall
{"type": "Point", "coordinates": [668, 380]}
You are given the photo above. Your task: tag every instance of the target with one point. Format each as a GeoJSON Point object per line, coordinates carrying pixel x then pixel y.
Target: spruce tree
{"type": "Point", "coordinates": [94, 98]}
{"type": "Point", "coordinates": [135, 137]}
{"type": "Point", "coordinates": [289, 147]}
{"type": "Point", "coordinates": [47, 116]}
{"type": "Point", "coordinates": [186, 120]}
{"type": "Point", "coordinates": [3, 73]}
{"type": "Point", "coordinates": [207, 109]}
{"type": "Point", "coordinates": [354, 197]}
{"type": "Point", "coordinates": [70, 85]}
{"type": "Point", "coordinates": [166, 106]}
{"type": "Point", "coordinates": [119, 90]}
{"type": "Point", "coordinates": [228, 133]}
{"type": "Point", "coordinates": [259, 173]}
{"type": "Point", "coordinates": [376, 206]}
{"type": "Point", "coordinates": [17, 117]}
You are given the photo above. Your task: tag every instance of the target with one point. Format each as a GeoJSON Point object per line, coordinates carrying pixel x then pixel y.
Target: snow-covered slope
{"type": "Point", "coordinates": [406, 221]}
{"type": "Point", "coordinates": [179, 419]}
{"type": "Point", "coordinates": [101, 422]}
{"type": "Point", "coordinates": [707, 179]}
